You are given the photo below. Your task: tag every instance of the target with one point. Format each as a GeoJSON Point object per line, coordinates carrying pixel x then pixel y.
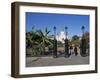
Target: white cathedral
{"type": "Point", "coordinates": [61, 36]}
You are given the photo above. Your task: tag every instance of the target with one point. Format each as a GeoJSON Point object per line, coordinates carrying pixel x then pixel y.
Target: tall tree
{"type": "Point", "coordinates": [86, 37]}
{"type": "Point", "coordinates": [45, 41]}
{"type": "Point", "coordinates": [75, 40]}
{"type": "Point", "coordinates": [75, 37]}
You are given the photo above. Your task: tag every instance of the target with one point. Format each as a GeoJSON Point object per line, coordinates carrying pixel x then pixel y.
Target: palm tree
{"type": "Point", "coordinates": [28, 39]}
{"type": "Point", "coordinates": [32, 41]}
{"type": "Point", "coordinates": [31, 37]}
{"type": "Point", "coordinates": [45, 40]}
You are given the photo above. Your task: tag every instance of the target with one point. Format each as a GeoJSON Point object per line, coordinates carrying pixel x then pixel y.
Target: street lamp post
{"type": "Point", "coordinates": [66, 43]}
{"type": "Point", "coordinates": [83, 43]}
{"type": "Point", "coordinates": [83, 28]}
{"type": "Point", "coordinates": [66, 28]}
{"type": "Point", "coordinates": [54, 28]}
{"type": "Point", "coordinates": [55, 43]}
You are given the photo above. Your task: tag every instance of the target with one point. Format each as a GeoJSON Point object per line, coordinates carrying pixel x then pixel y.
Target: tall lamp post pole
{"type": "Point", "coordinates": [54, 32]}
{"type": "Point", "coordinates": [66, 43]}
{"type": "Point", "coordinates": [55, 43]}
{"type": "Point", "coordinates": [83, 43]}
{"type": "Point", "coordinates": [66, 31]}
{"type": "Point", "coordinates": [83, 30]}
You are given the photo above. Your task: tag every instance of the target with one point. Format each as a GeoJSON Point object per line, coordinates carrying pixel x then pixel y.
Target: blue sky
{"type": "Point", "coordinates": [49, 20]}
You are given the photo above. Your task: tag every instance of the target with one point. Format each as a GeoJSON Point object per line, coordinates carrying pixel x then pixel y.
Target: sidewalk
{"type": "Point", "coordinates": [50, 61]}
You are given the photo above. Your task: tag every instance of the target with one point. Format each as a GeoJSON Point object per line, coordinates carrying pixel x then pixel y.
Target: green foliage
{"type": "Point", "coordinates": [37, 40]}
{"type": "Point", "coordinates": [75, 40]}
{"type": "Point", "coordinates": [84, 44]}
{"type": "Point", "coordinates": [86, 38]}
{"type": "Point", "coordinates": [75, 37]}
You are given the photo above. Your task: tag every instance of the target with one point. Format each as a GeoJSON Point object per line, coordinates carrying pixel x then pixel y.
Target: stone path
{"type": "Point", "coordinates": [50, 61]}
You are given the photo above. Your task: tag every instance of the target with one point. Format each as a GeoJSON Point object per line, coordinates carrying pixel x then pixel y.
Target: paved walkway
{"type": "Point", "coordinates": [50, 61]}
